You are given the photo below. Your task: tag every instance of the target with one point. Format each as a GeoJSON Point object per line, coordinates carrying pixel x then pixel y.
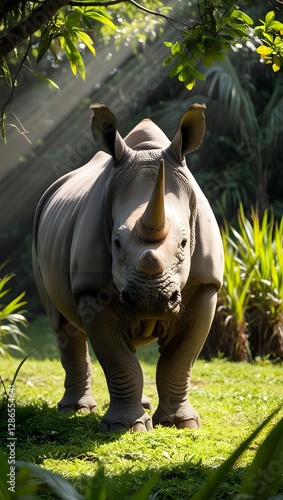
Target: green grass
{"type": "Point", "coordinates": [232, 399]}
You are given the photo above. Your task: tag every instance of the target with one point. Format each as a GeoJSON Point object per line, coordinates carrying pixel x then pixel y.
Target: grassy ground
{"type": "Point", "coordinates": [231, 398]}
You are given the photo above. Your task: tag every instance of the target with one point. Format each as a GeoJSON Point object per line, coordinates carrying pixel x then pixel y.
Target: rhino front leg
{"type": "Point", "coordinates": [107, 332]}
{"type": "Point", "coordinates": [76, 362]}
{"type": "Point", "coordinates": [178, 355]}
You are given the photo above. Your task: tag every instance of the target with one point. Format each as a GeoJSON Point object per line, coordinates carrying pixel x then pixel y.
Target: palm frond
{"type": "Point", "coordinates": [225, 83]}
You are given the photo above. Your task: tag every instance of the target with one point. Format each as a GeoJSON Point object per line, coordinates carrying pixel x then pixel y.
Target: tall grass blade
{"type": "Point", "coordinates": [265, 473]}
{"type": "Point", "coordinates": [213, 482]}
{"type": "Point", "coordinates": [146, 488]}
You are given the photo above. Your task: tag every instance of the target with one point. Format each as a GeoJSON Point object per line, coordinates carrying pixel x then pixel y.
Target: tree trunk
{"type": "Point", "coordinates": [24, 29]}
{"type": "Point", "coordinates": [241, 349]}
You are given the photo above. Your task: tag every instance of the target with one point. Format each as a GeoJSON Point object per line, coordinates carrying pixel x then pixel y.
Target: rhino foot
{"type": "Point", "coordinates": [123, 424]}
{"type": "Point", "coordinates": [184, 418]}
{"type": "Point", "coordinates": [85, 404]}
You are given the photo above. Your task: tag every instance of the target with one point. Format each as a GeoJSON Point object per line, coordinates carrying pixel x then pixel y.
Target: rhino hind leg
{"type": "Point", "coordinates": [77, 365]}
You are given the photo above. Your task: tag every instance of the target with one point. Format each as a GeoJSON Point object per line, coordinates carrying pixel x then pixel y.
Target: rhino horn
{"type": "Point", "coordinates": [153, 225]}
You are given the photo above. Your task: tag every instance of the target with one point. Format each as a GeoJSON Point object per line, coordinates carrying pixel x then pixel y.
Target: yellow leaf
{"type": "Point", "coordinates": [263, 50]}
{"type": "Point", "coordinates": [190, 86]}
{"type": "Point", "coordinates": [73, 67]}
{"type": "Point", "coordinates": [275, 67]}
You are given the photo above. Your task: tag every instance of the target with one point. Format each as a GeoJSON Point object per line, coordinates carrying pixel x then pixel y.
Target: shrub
{"type": "Point", "coordinates": [249, 316]}
{"type": "Point", "coordinates": [10, 321]}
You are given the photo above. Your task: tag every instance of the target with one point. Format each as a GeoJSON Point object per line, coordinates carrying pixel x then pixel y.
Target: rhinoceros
{"type": "Point", "coordinates": [127, 251]}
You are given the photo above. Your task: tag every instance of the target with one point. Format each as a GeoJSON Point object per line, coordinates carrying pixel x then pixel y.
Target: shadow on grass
{"type": "Point", "coordinates": [44, 434]}
{"type": "Point", "coordinates": [42, 429]}
{"type": "Point", "coordinates": [41, 344]}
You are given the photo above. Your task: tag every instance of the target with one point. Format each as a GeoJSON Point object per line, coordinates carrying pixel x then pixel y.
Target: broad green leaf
{"type": "Point", "coordinates": [269, 18]}
{"type": "Point", "coordinates": [26, 485]}
{"type": "Point", "coordinates": [184, 75]}
{"type": "Point", "coordinates": [146, 488]}
{"type": "Point", "coordinates": [85, 38]}
{"type": "Point", "coordinates": [264, 475]}
{"type": "Point", "coordinates": [191, 84]}
{"type": "Point", "coordinates": [44, 44]}
{"type": "Point", "coordinates": [86, 22]}
{"type": "Point", "coordinates": [73, 18]}
{"type": "Point", "coordinates": [213, 482]}
{"type": "Point", "coordinates": [47, 80]}
{"type": "Point", "coordinates": [54, 54]}
{"type": "Point", "coordinates": [97, 486]}
{"type": "Point", "coordinates": [175, 70]}
{"type": "Point", "coordinates": [74, 57]}
{"type": "Point", "coordinates": [267, 37]}
{"type": "Point", "coordinates": [102, 18]}
{"type": "Point", "coordinates": [228, 15]}
{"type": "Point", "coordinates": [168, 60]}
{"type": "Point", "coordinates": [208, 59]}
{"type": "Point", "coordinates": [276, 25]}
{"type": "Point", "coordinates": [196, 73]}
{"type": "Point", "coordinates": [62, 487]}
{"type": "Point", "coordinates": [276, 63]}
{"type": "Point", "coordinates": [235, 31]}
{"type": "Point", "coordinates": [176, 48]}
{"type": "Point", "coordinates": [238, 14]}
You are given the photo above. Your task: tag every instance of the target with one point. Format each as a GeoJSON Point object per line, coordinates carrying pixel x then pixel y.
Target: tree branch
{"type": "Point", "coordinates": [24, 29]}
{"type": "Point", "coordinates": [10, 96]}
{"type": "Point", "coordinates": [47, 9]}
{"type": "Point", "coordinates": [78, 3]}
{"type": "Point", "coordinates": [94, 4]}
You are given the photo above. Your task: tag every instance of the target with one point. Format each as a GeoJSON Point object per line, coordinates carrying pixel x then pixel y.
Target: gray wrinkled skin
{"type": "Point", "coordinates": [127, 251]}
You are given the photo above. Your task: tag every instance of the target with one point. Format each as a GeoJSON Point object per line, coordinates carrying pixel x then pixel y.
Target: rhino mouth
{"type": "Point", "coordinates": [151, 303]}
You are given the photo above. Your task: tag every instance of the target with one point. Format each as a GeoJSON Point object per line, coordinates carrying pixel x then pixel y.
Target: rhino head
{"type": "Point", "coordinates": [151, 206]}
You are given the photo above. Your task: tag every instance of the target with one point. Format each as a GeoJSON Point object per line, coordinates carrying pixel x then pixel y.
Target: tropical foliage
{"type": "Point", "coordinates": [249, 317]}
{"type": "Point", "coordinates": [11, 319]}
{"type": "Point", "coordinates": [257, 127]}
{"type": "Point", "coordinates": [31, 30]}
{"type": "Point", "coordinates": [220, 27]}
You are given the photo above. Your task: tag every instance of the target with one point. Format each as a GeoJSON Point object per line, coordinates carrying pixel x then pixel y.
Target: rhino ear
{"type": "Point", "coordinates": [190, 132]}
{"type": "Point", "coordinates": [105, 132]}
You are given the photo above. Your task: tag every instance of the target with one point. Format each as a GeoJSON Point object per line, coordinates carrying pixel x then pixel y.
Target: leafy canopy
{"type": "Point", "coordinates": [221, 26]}
{"type": "Point", "coordinates": [58, 29]}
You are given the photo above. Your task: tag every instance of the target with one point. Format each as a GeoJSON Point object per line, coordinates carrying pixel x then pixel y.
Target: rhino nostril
{"type": "Point", "coordinates": [174, 300]}
{"type": "Point", "coordinates": [174, 297]}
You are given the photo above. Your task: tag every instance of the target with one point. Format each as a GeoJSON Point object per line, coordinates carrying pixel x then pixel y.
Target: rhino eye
{"type": "Point", "coordinates": [117, 243]}
{"type": "Point", "coordinates": [184, 242]}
